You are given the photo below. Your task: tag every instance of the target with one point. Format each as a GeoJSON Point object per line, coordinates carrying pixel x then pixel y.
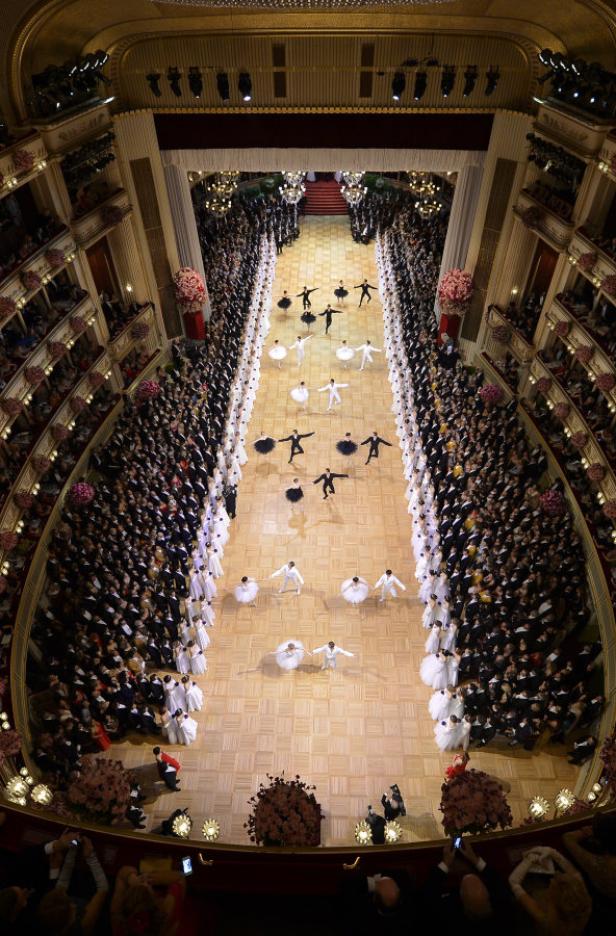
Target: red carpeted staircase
{"type": "Point", "coordinates": [324, 198]}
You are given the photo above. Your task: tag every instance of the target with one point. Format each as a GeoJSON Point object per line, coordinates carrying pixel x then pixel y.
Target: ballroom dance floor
{"type": "Point", "coordinates": [355, 731]}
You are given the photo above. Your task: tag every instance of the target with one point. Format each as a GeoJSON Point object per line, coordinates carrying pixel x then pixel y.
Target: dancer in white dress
{"type": "Point", "coordinates": [167, 723]}
{"type": "Point", "coordinates": [175, 697]}
{"type": "Point", "coordinates": [194, 695]}
{"type": "Point", "coordinates": [290, 573]}
{"type": "Point", "coordinates": [198, 662]}
{"type": "Point", "coordinates": [299, 348]}
{"type": "Point", "coordinates": [448, 734]}
{"type": "Point", "coordinates": [186, 728]}
{"type": "Point", "coordinates": [181, 657]}
{"type": "Point", "coordinates": [355, 590]}
{"type": "Point", "coordinates": [332, 389]}
{"type": "Point", "coordinates": [388, 583]}
{"type": "Point", "coordinates": [434, 671]}
{"type": "Point", "coordinates": [246, 592]}
{"type": "Point", "coordinates": [277, 352]}
{"type": "Point", "coordinates": [301, 394]}
{"type": "Point", "coordinates": [331, 651]}
{"type": "Point", "coordinates": [433, 640]}
{"type": "Point", "coordinates": [345, 353]}
{"type": "Point", "coordinates": [289, 654]}
{"type": "Point", "coordinates": [444, 703]}
{"type": "Point", "coordinates": [367, 350]}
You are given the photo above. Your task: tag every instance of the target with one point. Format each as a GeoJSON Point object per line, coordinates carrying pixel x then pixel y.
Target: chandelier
{"type": "Point", "coordinates": [295, 4]}
{"type": "Point", "coordinates": [420, 183]}
{"type": "Point", "coordinates": [352, 178]}
{"type": "Point", "coordinates": [293, 178]}
{"type": "Point", "coordinates": [217, 205]}
{"type": "Point", "coordinates": [293, 188]}
{"type": "Point", "coordinates": [428, 207]}
{"type": "Point", "coordinates": [353, 193]}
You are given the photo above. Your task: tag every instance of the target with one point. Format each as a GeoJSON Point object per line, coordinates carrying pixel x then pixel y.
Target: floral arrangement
{"type": "Point", "coordinates": [81, 494]}
{"type": "Point", "coordinates": [491, 393]}
{"type": "Point", "coordinates": [605, 382]}
{"type": "Point", "coordinates": [12, 406]}
{"type": "Point", "coordinates": [562, 329]}
{"type": "Point", "coordinates": [562, 410]}
{"type": "Point", "coordinates": [101, 792]}
{"type": "Point", "coordinates": [190, 291]}
{"type": "Point", "coordinates": [455, 291]}
{"type": "Point", "coordinates": [148, 389]}
{"type": "Point", "coordinates": [57, 349]}
{"type": "Point", "coordinates": [501, 334]}
{"type": "Point", "coordinates": [586, 261]}
{"type": "Point", "coordinates": [579, 440]}
{"type": "Point", "coordinates": [96, 379]}
{"type": "Point", "coordinates": [30, 280]}
{"type": "Point", "coordinates": [41, 463]}
{"type": "Point", "coordinates": [77, 324]}
{"type": "Point", "coordinates": [8, 540]}
{"type": "Point", "coordinates": [473, 801]}
{"type": "Point", "coordinates": [284, 813]}
{"type": "Point", "coordinates": [608, 285]}
{"type": "Point", "coordinates": [596, 472]}
{"type": "Point", "coordinates": [543, 385]}
{"type": "Point", "coordinates": [59, 432]}
{"type": "Point", "coordinates": [608, 756]}
{"type": "Point", "coordinates": [112, 214]}
{"type": "Point", "coordinates": [55, 258]}
{"type": "Point", "coordinates": [7, 307]}
{"type": "Point", "coordinates": [34, 375]}
{"type": "Point", "coordinates": [23, 161]}
{"type": "Point", "coordinates": [10, 744]}
{"type": "Point", "coordinates": [140, 330]}
{"type": "Point", "coordinates": [552, 503]}
{"type": "Point", "coordinates": [77, 404]}
{"type": "Point", "coordinates": [532, 216]}
{"type": "Point", "coordinates": [584, 353]}
{"type": "Point", "coordinates": [23, 499]}
{"type": "Point", "coordinates": [609, 509]}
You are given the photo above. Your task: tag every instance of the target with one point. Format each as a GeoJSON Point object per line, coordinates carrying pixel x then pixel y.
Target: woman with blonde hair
{"type": "Point", "coordinates": [565, 907]}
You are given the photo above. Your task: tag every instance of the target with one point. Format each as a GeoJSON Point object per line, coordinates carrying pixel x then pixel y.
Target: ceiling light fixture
{"type": "Point", "coordinates": [195, 81]}
{"type": "Point", "coordinates": [398, 85]}
{"type": "Point", "coordinates": [421, 83]}
{"type": "Point", "coordinates": [153, 79]}
{"type": "Point", "coordinates": [448, 80]}
{"type": "Point", "coordinates": [222, 84]}
{"type": "Point", "coordinates": [245, 86]}
{"type": "Point", "coordinates": [173, 77]}
{"type": "Point", "coordinates": [492, 78]}
{"type": "Point", "coordinates": [470, 80]}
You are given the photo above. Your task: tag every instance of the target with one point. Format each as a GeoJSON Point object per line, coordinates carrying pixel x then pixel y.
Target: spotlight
{"type": "Point", "coordinates": [245, 86]}
{"type": "Point", "coordinates": [195, 81]}
{"type": "Point", "coordinates": [173, 77]}
{"type": "Point", "coordinates": [448, 79]}
{"type": "Point", "coordinates": [222, 83]}
{"type": "Point", "coordinates": [398, 85]}
{"type": "Point", "coordinates": [492, 77]}
{"type": "Point", "coordinates": [470, 80]}
{"type": "Point", "coordinates": [421, 83]}
{"type": "Point", "coordinates": [153, 80]}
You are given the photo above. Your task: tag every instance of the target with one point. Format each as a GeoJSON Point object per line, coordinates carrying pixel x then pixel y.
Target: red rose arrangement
{"type": "Point", "coordinates": [605, 382]}
{"type": "Point", "coordinates": [285, 813]}
{"type": "Point", "coordinates": [12, 406]}
{"type": "Point", "coordinates": [543, 385]}
{"type": "Point", "coordinates": [55, 258]}
{"type": "Point", "coordinates": [596, 472]}
{"type": "Point", "coordinates": [552, 503]}
{"type": "Point", "coordinates": [23, 499]}
{"type": "Point", "coordinates": [57, 349]}
{"type": "Point", "coordinates": [81, 494]}
{"type": "Point", "coordinates": [34, 375]}
{"type": "Point", "coordinates": [562, 329]}
{"type": "Point", "coordinates": [77, 404]}
{"type": "Point", "coordinates": [491, 393]}
{"type": "Point", "coordinates": [584, 353]}
{"type": "Point", "coordinates": [77, 324]}
{"type": "Point", "coordinates": [473, 801]}
{"type": "Point", "coordinates": [608, 285]}
{"type": "Point", "coordinates": [586, 261]}
{"type": "Point", "coordinates": [41, 463]}
{"type": "Point", "coordinates": [23, 161]}
{"type": "Point", "coordinates": [579, 440]}
{"type": "Point", "coordinates": [8, 540]}
{"type": "Point", "coordinates": [30, 280]}
{"type": "Point", "coordinates": [148, 389]}
{"type": "Point", "coordinates": [562, 410]}
{"type": "Point", "coordinates": [59, 432]}
{"type": "Point", "coordinates": [7, 307]}
{"type": "Point", "coordinates": [101, 792]}
{"type": "Point", "coordinates": [455, 291]}
{"type": "Point", "coordinates": [96, 379]}
{"type": "Point", "coordinates": [609, 509]}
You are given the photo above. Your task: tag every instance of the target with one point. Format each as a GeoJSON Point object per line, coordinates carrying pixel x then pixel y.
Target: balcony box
{"type": "Point", "coordinates": [517, 344]}
{"type": "Point", "coordinates": [581, 134]}
{"type": "Point", "coordinates": [95, 223]}
{"type": "Point", "coordinates": [11, 174]}
{"type": "Point", "coordinates": [551, 227]}
{"type": "Point", "coordinates": [606, 159]}
{"type": "Point", "coordinates": [13, 288]}
{"type": "Point", "coordinates": [66, 133]}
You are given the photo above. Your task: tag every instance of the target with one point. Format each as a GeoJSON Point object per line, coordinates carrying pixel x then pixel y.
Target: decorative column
{"type": "Point", "coordinates": [184, 222]}
{"type": "Point", "coordinates": [461, 219]}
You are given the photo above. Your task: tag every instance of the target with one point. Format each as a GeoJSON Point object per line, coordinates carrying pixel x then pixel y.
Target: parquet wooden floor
{"type": "Point", "coordinates": [354, 731]}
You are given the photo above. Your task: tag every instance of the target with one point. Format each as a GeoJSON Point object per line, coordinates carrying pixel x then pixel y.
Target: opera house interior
{"type": "Point", "coordinates": [308, 464]}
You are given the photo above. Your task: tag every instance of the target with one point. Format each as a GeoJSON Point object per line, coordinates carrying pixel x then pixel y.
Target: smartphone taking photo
{"type": "Point", "coordinates": [187, 867]}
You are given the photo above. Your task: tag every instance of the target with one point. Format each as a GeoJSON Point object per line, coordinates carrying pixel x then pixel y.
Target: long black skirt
{"type": "Point", "coordinates": [265, 446]}
{"type": "Point", "coordinates": [294, 494]}
{"type": "Point", "coordinates": [346, 448]}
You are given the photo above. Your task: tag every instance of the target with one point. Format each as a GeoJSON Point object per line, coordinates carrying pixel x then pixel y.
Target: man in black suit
{"type": "Point", "coordinates": [374, 441]}
{"type": "Point", "coordinates": [328, 482]}
{"type": "Point", "coordinates": [379, 903]}
{"type": "Point", "coordinates": [365, 291]}
{"type": "Point", "coordinates": [295, 440]}
{"type": "Point", "coordinates": [305, 296]}
{"type": "Point", "coordinates": [328, 316]}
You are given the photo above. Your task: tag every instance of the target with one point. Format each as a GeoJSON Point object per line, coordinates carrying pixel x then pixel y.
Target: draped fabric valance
{"type": "Point", "coordinates": [322, 160]}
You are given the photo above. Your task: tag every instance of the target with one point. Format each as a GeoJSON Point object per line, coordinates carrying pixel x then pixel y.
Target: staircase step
{"type": "Point", "coordinates": [324, 198]}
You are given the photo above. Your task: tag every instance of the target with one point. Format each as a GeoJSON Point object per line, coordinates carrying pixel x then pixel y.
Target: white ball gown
{"type": "Point", "coordinates": [246, 592]}
{"type": "Point", "coordinates": [345, 354]}
{"type": "Point", "coordinates": [355, 592]}
{"type": "Point", "coordinates": [186, 729]}
{"type": "Point", "coordinates": [198, 663]}
{"type": "Point", "coordinates": [448, 735]}
{"type": "Point", "coordinates": [433, 640]}
{"type": "Point", "coordinates": [182, 660]}
{"type": "Point", "coordinates": [194, 698]}
{"type": "Point", "coordinates": [300, 395]}
{"type": "Point", "coordinates": [169, 728]}
{"type": "Point", "coordinates": [434, 671]}
{"type": "Point", "coordinates": [278, 353]}
{"type": "Point", "coordinates": [289, 659]}
{"type": "Point", "coordinates": [442, 704]}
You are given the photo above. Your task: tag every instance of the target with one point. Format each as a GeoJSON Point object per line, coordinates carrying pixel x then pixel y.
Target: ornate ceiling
{"type": "Point", "coordinates": [323, 48]}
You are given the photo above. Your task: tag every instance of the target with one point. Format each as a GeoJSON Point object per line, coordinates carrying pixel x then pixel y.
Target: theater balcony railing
{"type": "Point", "coordinates": [604, 267]}
{"type": "Point", "coordinates": [101, 219]}
{"type": "Point", "coordinates": [68, 131]}
{"type": "Point", "coordinates": [65, 332]}
{"type": "Point", "coordinates": [495, 374]}
{"type": "Point", "coordinates": [606, 160]}
{"type": "Point", "coordinates": [581, 134]}
{"type": "Point", "coordinates": [21, 162]}
{"type": "Point", "coordinates": [578, 336]}
{"type": "Point", "coordinates": [516, 343]}
{"type": "Point", "coordinates": [548, 224]}
{"type": "Point", "coordinates": [12, 286]}
{"type": "Point", "coordinates": [46, 444]}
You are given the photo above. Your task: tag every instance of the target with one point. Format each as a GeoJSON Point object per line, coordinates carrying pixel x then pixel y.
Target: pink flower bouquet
{"type": "Point", "coordinates": [55, 258]}
{"type": "Point", "coordinates": [455, 291]}
{"type": "Point", "coordinates": [8, 540]}
{"type": "Point", "coordinates": [30, 280]}
{"type": "Point", "coordinates": [473, 802]}
{"type": "Point", "coordinates": [59, 432]}
{"type": "Point", "coordinates": [584, 353]}
{"type": "Point", "coordinates": [12, 406]}
{"type": "Point", "coordinates": [543, 385]}
{"type": "Point", "coordinates": [101, 792]}
{"type": "Point", "coordinates": [596, 472]}
{"type": "Point", "coordinates": [553, 503]}
{"type": "Point", "coordinates": [81, 494]}
{"type": "Point", "coordinates": [562, 329]}
{"type": "Point", "coordinates": [586, 261]}
{"type": "Point", "coordinates": [579, 440]}
{"type": "Point", "coordinates": [491, 394]}
{"type": "Point", "coordinates": [77, 324]}
{"type": "Point", "coordinates": [606, 382]}
{"type": "Point", "coordinates": [140, 330]}
{"type": "Point", "coordinates": [190, 291]}
{"type": "Point", "coordinates": [609, 509]}
{"type": "Point", "coordinates": [285, 813]}
{"type": "Point", "coordinates": [34, 375]}
{"type": "Point", "coordinates": [148, 389]}
{"type": "Point", "coordinates": [608, 285]}
{"type": "Point", "coordinates": [41, 463]}
{"type": "Point", "coordinates": [562, 410]}
{"type": "Point", "coordinates": [57, 349]}
{"type": "Point", "coordinates": [96, 379]}
{"type": "Point", "coordinates": [23, 499]}
{"type": "Point", "coordinates": [7, 307]}
{"type": "Point", "coordinates": [23, 161]}
{"type": "Point", "coordinates": [77, 404]}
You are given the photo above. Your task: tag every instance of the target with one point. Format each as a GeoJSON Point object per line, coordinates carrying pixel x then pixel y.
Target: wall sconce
{"type": "Point", "coordinates": [564, 800]}
{"type": "Point", "coordinates": [393, 832]}
{"type": "Point", "coordinates": [538, 807]}
{"type": "Point", "coordinates": [129, 288]}
{"type": "Point", "coordinates": [42, 794]}
{"type": "Point", "coordinates": [363, 833]}
{"type": "Point", "coordinates": [182, 825]}
{"type": "Point", "coordinates": [211, 830]}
